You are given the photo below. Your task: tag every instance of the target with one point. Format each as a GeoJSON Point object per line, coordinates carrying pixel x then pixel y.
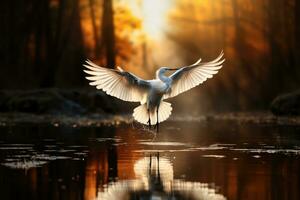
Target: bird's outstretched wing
{"type": "Point", "coordinates": [188, 77]}
{"type": "Point", "coordinates": [118, 83]}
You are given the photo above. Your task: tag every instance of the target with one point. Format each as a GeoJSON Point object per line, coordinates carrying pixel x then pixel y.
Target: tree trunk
{"type": "Point", "coordinates": [49, 68]}
{"type": "Point", "coordinates": [108, 33]}
{"type": "Point", "coordinates": [58, 44]}
{"type": "Point", "coordinates": [95, 31]}
{"type": "Point", "coordinates": [297, 38]}
{"type": "Point", "coordinates": [276, 54]}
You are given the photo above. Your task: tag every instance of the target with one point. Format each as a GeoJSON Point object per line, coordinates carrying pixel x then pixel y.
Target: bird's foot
{"type": "Point", "coordinates": [157, 127]}
{"type": "Point", "coordinates": [149, 123]}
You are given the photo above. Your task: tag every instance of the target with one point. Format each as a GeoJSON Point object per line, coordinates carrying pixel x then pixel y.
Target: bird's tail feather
{"type": "Point", "coordinates": [141, 114]}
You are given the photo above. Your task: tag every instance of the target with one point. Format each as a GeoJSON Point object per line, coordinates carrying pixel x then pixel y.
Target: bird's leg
{"type": "Point", "coordinates": [157, 160]}
{"type": "Point", "coordinates": [150, 161]}
{"type": "Point", "coordinates": [149, 121]}
{"type": "Point", "coordinates": [157, 124]}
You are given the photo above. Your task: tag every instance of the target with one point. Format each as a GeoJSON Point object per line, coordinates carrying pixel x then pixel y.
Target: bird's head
{"type": "Point", "coordinates": [163, 70]}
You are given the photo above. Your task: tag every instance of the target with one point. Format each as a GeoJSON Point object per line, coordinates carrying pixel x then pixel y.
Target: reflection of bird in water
{"type": "Point", "coordinates": [151, 93]}
{"type": "Point", "coordinates": [155, 181]}
{"type": "Point", "coordinates": [155, 184]}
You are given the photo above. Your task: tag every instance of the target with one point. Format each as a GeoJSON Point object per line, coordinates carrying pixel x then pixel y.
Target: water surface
{"type": "Point", "coordinates": [184, 161]}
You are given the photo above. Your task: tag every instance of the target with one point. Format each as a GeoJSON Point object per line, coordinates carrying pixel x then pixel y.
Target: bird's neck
{"type": "Point", "coordinates": [162, 77]}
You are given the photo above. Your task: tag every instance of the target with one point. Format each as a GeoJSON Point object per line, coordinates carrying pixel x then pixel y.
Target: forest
{"type": "Point", "coordinates": [236, 136]}
{"type": "Point", "coordinates": [44, 44]}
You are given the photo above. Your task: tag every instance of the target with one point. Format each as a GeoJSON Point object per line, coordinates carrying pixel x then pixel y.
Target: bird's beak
{"type": "Point", "coordinates": [173, 69]}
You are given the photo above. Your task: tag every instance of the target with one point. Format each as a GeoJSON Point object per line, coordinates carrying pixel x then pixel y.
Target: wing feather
{"type": "Point", "coordinates": [188, 77]}
{"type": "Point", "coordinates": [120, 84]}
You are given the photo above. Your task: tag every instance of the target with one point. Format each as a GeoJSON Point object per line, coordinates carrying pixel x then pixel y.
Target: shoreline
{"type": "Point", "coordinates": [100, 119]}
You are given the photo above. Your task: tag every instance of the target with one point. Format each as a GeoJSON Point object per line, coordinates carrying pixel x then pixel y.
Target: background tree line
{"type": "Point", "coordinates": [44, 43]}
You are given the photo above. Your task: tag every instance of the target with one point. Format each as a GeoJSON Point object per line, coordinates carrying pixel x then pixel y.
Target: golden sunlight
{"type": "Point", "coordinates": [154, 16]}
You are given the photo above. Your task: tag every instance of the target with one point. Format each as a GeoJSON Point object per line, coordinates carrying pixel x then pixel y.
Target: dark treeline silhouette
{"type": "Point", "coordinates": [43, 44]}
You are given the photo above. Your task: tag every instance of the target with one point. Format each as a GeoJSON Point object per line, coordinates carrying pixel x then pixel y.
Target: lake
{"type": "Point", "coordinates": [185, 160]}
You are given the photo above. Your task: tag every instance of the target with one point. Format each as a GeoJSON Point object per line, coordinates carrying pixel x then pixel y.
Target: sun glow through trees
{"type": "Point", "coordinates": [155, 17]}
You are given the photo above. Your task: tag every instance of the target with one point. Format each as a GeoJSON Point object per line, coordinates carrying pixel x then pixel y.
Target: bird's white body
{"type": "Point", "coordinates": [151, 93]}
{"type": "Point", "coordinates": [156, 91]}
